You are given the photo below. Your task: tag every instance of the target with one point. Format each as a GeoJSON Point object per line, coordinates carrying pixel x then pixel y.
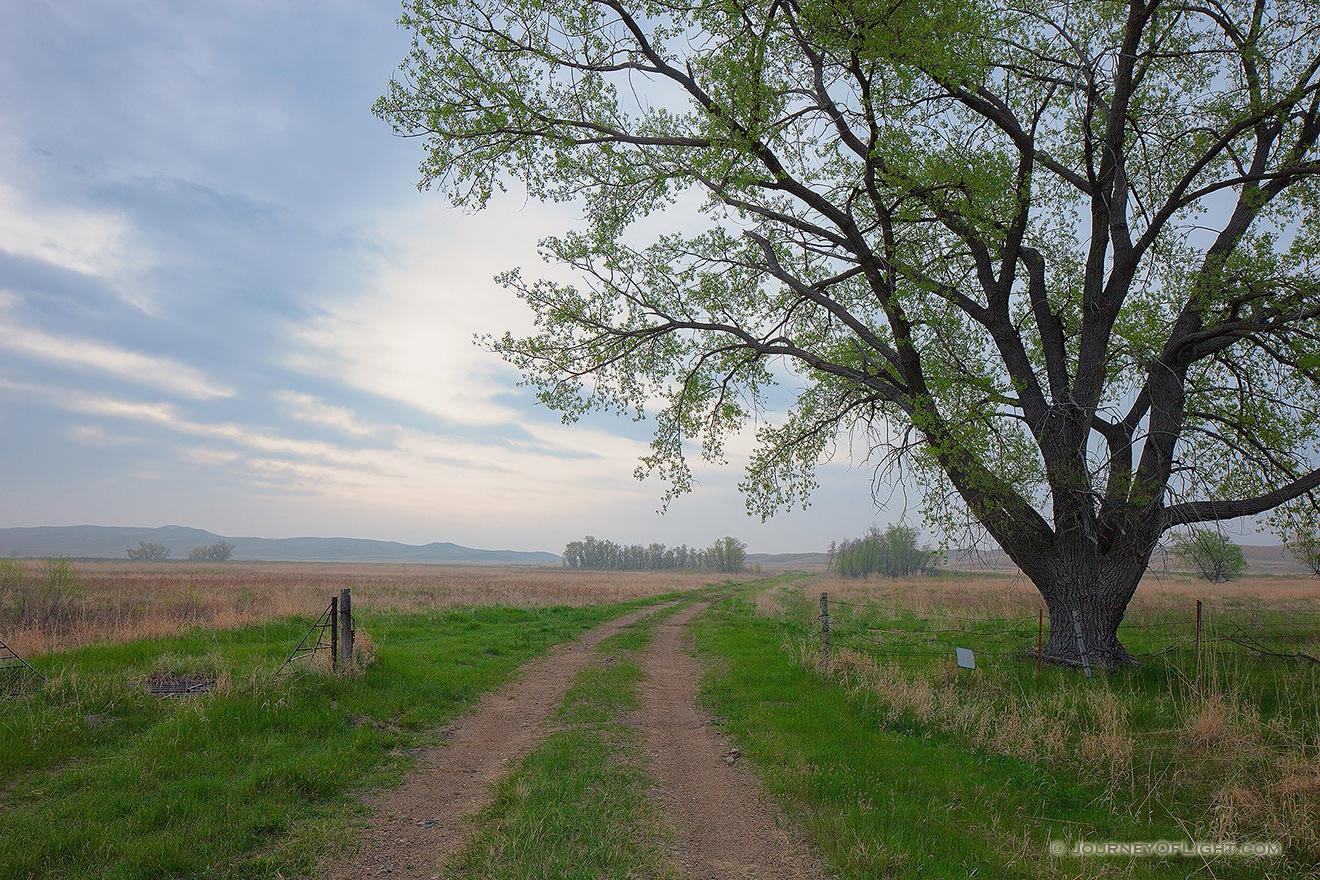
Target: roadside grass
{"type": "Point", "coordinates": [56, 604]}
{"type": "Point", "coordinates": [920, 769]}
{"type": "Point", "coordinates": [578, 805]}
{"type": "Point", "coordinates": [99, 779]}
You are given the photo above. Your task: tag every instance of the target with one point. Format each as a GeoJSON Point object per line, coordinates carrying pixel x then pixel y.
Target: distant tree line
{"type": "Point", "coordinates": [217, 552]}
{"type": "Point", "coordinates": [146, 551]}
{"type": "Point", "coordinates": [725, 555]}
{"type": "Point", "coordinates": [892, 553]}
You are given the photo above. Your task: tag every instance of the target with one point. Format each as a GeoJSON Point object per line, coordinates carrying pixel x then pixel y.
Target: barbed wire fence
{"type": "Point", "coordinates": [909, 638]}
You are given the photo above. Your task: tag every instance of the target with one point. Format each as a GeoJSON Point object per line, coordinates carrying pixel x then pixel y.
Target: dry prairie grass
{"type": "Point", "coordinates": [123, 601]}
{"type": "Point", "coordinates": [991, 597]}
{"type": "Point", "coordinates": [1239, 736]}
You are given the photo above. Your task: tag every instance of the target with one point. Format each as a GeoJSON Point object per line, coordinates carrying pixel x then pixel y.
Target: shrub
{"type": "Point", "coordinates": [48, 597]}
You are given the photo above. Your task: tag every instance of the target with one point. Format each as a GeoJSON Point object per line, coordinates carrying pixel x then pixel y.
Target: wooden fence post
{"type": "Point", "coordinates": [346, 628]}
{"type": "Point", "coordinates": [334, 632]}
{"type": "Point", "coordinates": [825, 628]}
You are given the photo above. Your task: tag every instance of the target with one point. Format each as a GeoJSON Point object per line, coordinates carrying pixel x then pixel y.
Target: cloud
{"type": "Point", "coordinates": [416, 467]}
{"type": "Point", "coordinates": [313, 409]}
{"type": "Point", "coordinates": [408, 336]}
{"type": "Point", "coordinates": [206, 456]}
{"type": "Point", "coordinates": [95, 435]}
{"type": "Point", "coordinates": [91, 242]}
{"type": "Point", "coordinates": [163, 373]}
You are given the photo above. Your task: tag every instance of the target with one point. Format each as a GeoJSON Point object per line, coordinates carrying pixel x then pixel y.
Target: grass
{"type": "Point", "coordinates": [919, 769]}
{"type": "Point", "coordinates": [50, 605]}
{"type": "Point", "coordinates": [577, 806]}
{"type": "Point", "coordinates": [251, 780]}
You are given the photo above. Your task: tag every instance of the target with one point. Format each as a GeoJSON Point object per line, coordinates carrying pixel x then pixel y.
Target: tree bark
{"type": "Point", "coordinates": [1092, 593]}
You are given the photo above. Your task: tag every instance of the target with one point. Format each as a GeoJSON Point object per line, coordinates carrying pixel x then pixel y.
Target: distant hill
{"type": "Point", "coordinates": [108, 542]}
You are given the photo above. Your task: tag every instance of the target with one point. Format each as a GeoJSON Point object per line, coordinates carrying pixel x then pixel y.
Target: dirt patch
{"type": "Point", "coordinates": [724, 828]}
{"type": "Point", "coordinates": [415, 825]}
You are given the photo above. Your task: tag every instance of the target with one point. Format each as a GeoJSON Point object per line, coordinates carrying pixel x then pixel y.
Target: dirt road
{"type": "Point", "coordinates": [723, 827]}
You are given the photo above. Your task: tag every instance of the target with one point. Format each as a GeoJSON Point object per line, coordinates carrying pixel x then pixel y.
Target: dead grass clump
{"type": "Point", "coordinates": [364, 649]}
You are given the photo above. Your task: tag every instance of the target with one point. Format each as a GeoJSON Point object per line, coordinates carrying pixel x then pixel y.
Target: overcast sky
{"type": "Point", "coordinates": [224, 304]}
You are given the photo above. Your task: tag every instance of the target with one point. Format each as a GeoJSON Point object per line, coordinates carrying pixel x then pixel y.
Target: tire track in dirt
{"type": "Point", "coordinates": [724, 827]}
{"type": "Point", "coordinates": [416, 824]}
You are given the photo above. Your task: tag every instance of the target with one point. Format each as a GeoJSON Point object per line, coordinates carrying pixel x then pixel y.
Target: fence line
{"type": "Point", "coordinates": [1005, 639]}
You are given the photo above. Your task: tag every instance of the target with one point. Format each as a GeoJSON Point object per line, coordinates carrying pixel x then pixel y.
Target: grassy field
{"type": "Point", "coordinates": [898, 763]}
{"type": "Point", "coordinates": [904, 765]}
{"type": "Point", "coordinates": [253, 778]}
{"type": "Point", "coordinates": [48, 605]}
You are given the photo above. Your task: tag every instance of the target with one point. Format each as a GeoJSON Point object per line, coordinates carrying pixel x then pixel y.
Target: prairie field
{"type": "Point", "coordinates": [893, 760]}
{"type": "Point", "coordinates": [49, 605]}
{"type": "Point", "coordinates": [1212, 738]}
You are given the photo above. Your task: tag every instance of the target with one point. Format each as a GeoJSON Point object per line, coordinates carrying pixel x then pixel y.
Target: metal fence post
{"type": "Point", "coordinates": [825, 628]}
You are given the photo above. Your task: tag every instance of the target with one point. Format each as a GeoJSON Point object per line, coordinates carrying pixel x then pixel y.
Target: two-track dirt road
{"type": "Point", "coordinates": [722, 825]}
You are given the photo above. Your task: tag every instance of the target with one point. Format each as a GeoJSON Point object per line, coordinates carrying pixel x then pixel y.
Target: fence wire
{"type": "Point", "coordinates": [891, 634]}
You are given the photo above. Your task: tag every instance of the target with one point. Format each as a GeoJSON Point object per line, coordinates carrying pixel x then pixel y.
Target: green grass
{"type": "Point", "coordinates": [577, 806]}
{"type": "Point", "coordinates": [896, 796]}
{"type": "Point", "coordinates": [102, 780]}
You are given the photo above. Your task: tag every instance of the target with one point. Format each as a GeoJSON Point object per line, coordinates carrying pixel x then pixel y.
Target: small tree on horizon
{"type": "Point", "coordinates": [891, 553]}
{"type": "Point", "coordinates": [1298, 526]}
{"type": "Point", "coordinates": [148, 552]}
{"type": "Point", "coordinates": [1216, 558]}
{"type": "Point", "coordinates": [217, 552]}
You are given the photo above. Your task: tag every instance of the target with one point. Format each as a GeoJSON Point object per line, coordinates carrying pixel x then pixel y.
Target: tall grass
{"type": "Point", "coordinates": [1222, 741]}
{"type": "Point", "coordinates": [56, 604]}
{"type": "Point", "coordinates": [904, 765]}
{"type": "Point", "coordinates": [252, 779]}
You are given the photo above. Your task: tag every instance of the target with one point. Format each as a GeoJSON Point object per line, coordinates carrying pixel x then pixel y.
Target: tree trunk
{"type": "Point", "coordinates": [1089, 604]}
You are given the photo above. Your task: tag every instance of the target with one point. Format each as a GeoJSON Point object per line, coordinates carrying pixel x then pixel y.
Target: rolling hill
{"type": "Point", "coordinates": [109, 542]}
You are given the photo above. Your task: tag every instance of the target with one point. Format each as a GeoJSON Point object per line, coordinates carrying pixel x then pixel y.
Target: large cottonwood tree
{"type": "Point", "coordinates": [1057, 258]}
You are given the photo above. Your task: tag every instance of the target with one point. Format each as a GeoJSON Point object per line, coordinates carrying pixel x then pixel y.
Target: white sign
{"type": "Point", "coordinates": [965, 658]}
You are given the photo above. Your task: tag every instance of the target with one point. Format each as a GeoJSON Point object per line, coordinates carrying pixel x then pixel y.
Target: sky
{"type": "Point", "coordinates": [225, 304]}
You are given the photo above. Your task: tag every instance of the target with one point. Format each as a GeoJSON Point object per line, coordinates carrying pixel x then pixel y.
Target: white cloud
{"type": "Point", "coordinates": [95, 435]}
{"type": "Point", "coordinates": [207, 456]}
{"type": "Point", "coordinates": [416, 471]}
{"type": "Point", "coordinates": [313, 409]}
{"type": "Point", "coordinates": [91, 242]}
{"type": "Point", "coordinates": [410, 338]}
{"type": "Point", "coordinates": [164, 373]}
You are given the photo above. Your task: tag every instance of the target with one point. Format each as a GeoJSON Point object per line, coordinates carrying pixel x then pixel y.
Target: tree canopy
{"type": "Point", "coordinates": [1055, 259]}
{"type": "Point", "coordinates": [1213, 554]}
